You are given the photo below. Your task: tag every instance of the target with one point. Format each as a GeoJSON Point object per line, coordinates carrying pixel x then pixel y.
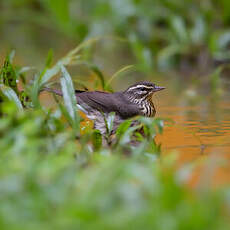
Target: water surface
{"type": "Point", "coordinates": [200, 133]}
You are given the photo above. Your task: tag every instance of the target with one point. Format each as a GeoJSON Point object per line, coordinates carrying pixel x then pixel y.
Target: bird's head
{"type": "Point", "coordinates": [142, 91]}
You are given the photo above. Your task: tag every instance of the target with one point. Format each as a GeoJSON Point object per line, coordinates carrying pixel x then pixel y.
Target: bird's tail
{"type": "Point", "coordinates": [55, 91]}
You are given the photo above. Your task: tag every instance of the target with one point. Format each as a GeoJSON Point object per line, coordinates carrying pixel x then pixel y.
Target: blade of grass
{"type": "Point", "coordinates": [49, 58]}
{"type": "Point", "coordinates": [82, 45]}
{"type": "Point", "coordinates": [122, 70]}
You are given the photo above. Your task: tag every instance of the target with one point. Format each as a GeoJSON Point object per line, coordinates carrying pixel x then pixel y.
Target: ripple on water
{"type": "Point", "coordinates": [201, 137]}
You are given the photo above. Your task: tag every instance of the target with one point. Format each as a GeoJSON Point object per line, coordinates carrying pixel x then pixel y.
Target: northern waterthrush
{"type": "Point", "coordinates": [97, 105]}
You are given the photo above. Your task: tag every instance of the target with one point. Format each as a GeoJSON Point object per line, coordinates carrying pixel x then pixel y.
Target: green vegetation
{"type": "Point", "coordinates": [53, 177]}
{"type": "Point", "coordinates": [163, 34]}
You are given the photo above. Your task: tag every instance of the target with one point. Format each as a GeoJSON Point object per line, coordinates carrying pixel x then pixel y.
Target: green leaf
{"type": "Point", "coordinates": [96, 140]}
{"type": "Point", "coordinates": [178, 25]}
{"type": "Point", "coordinates": [34, 92]}
{"type": "Point", "coordinates": [11, 95]}
{"type": "Point", "coordinates": [152, 126]}
{"type": "Point", "coordinates": [8, 75]}
{"type": "Point", "coordinates": [49, 73]}
{"type": "Point", "coordinates": [218, 44]}
{"type": "Point", "coordinates": [49, 58]}
{"type": "Point", "coordinates": [60, 9]}
{"type": "Point", "coordinates": [69, 97]}
{"type": "Point", "coordinates": [122, 128]}
{"type": "Point", "coordinates": [110, 121]}
{"type": "Point", "coordinates": [125, 132]}
{"type": "Point", "coordinates": [198, 32]}
{"type": "Point", "coordinates": [11, 56]}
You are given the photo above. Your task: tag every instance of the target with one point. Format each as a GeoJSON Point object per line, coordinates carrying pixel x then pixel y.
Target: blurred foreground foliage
{"type": "Point", "coordinates": [163, 34]}
{"type": "Point", "coordinates": [52, 176]}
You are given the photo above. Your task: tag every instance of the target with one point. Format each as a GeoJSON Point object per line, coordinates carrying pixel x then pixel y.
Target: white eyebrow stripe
{"type": "Point", "coordinates": [140, 86]}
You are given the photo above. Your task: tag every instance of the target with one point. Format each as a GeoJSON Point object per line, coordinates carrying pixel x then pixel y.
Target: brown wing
{"type": "Point", "coordinates": [101, 101]}
{"type": "Point", "coordinates": [107, 102]}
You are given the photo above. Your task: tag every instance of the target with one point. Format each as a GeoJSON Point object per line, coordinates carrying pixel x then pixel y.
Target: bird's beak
{"type": "Point", "coordinates": [158, 88]}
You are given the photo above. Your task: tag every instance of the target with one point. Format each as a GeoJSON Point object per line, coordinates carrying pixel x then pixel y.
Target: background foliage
{"type": "Point", "coordinates": [159, 33]}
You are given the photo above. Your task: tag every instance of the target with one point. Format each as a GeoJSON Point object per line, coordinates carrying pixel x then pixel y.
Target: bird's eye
{"type": "Point", "coordinates": [143, 88]}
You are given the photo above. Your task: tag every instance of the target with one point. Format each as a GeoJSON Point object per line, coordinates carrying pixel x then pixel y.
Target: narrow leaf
{"type": "Point", "coordinates": [69, 98]}
{"type": "Point", "coordinates": [97, 140]}
{"type": "Point", "coordinates": [11, 95]}
{"type": "Point", "coordinates": [122, 70]}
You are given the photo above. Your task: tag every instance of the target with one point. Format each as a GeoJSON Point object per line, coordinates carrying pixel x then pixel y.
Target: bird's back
{"type": "Point", "coordinates": [101, 101]}
{"type": "Point", "coordinates": [106, 103]}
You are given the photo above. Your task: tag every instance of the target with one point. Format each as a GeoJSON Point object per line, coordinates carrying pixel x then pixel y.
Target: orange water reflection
{"type": "Point", "coordinates": [201, 137]}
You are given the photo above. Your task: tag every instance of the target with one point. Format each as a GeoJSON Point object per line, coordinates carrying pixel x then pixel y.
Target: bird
{"type": "Point", "coordinates": [136, 100]}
